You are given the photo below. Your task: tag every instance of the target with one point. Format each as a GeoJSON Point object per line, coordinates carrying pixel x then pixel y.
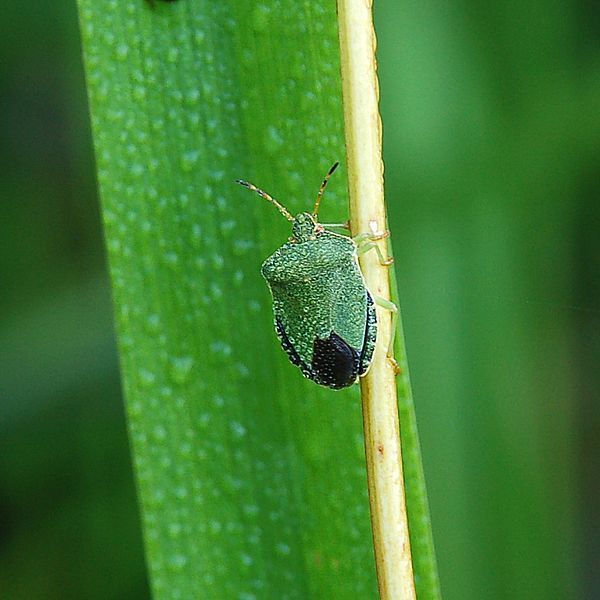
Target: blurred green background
{"type": "Point", "coordinates": [491, 136]}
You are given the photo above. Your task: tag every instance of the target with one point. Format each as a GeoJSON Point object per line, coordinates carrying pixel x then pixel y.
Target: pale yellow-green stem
{"type": "Point", "coordinates": [367, 214]}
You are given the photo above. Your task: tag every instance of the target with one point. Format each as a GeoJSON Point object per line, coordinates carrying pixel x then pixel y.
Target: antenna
{"type": "Point", "coordinates": [284, 211]}
{"type": "Point", "coordinates": [322, 188]}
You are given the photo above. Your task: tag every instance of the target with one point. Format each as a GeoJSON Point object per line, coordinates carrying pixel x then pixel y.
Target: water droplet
{"type": "Point", "coordinates": [160, 433]}
{"type": "Point", "coordinates": [180, 369]}
{"type": "Point", "coordinates": [147, 378]}
{"type": "Point", "coordinates": [114, 245]}
{"type": "Point", "coordinates": [283, 548]}
{"type": "Point", "coordinates": [122, 51]}
{"type": "Point", "coordinates": [153, 323]}
{"type": "Point", "coordinates": [227, 226]}
{"type": "Point", "coordinates": [274, 140]}
{"type": "Point", "coordinates": [238, 430]}
{"type": "Point", "coordinates": [218, 261]}
{"type": "Point", "coordinates": [181, 492]}
{"type": "Point", "coordinates": [193, 97]}
{"type": "Point", "coordinates": [152, 533]}
{"type": "Point", "coordinates": [241, 247]}
{"type": "Point", "coordinates": [137, 169]}
{"type": "Point", "coordinates": [200, 263]}
{"type": "Point", "coordinates": [250, 510]}
{"type": "Point", "coordinates": [171, 258]}
{"type": "Point", "coordinates": [174, 529]}
{"type": "Point", "coordinates": [177, 561]}
{"type": "Point", "coordinates": [158, 495]}
{"type": "Point", "coordinates": [136, 408]}
{"type": "Point", "coordinates": [254, 306]}
{"type": "Point", "coordinates": [215, 291]}
{"type": "Point", "coordinates": [165, 391]}
{"type": "Point", "coordinates": [189, 160]}
{"type": "Point", "coordinates": [296, 182]}
{"type": "Point", "coordinates": [261, 17]}
{"type": "Point", "coordinates": [246, 560]}
{"type": "Point", "coordinates": [139, 93]}
{"type": "Point", "coordinates": [242, 370]}
{"type": "Point", "coordinates": [219, 347]}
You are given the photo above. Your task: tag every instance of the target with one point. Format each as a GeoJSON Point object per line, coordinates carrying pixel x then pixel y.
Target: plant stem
{"type": "Point", "coordinates": [367, 211]}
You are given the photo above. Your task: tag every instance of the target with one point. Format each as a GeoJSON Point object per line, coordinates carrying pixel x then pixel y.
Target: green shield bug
{"type": "Point", "coordinates": [324, 315]}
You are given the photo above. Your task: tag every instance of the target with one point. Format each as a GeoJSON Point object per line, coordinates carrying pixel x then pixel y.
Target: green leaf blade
{"type": "Point", "coordinates": [251, 479]}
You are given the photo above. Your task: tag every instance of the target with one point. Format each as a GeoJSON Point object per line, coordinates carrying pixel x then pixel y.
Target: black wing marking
{"type": "Point", "coordinates": [335, 363]}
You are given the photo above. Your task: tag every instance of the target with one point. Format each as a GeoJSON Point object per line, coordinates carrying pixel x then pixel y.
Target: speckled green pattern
{"type": "Point", "coordinates": [318, 289]}
{"type": "Point", "coordinates": [371, 337]}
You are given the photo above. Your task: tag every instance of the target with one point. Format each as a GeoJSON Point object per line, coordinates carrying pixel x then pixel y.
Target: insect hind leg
{"type": "Point", "coordinates": [389, 305]}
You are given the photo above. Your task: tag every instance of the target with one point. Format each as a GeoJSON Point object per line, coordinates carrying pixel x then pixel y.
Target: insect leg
{"type": "Point", "coordinates": [345, 225]}
{"type": "Point", "coordinates": [371, 237]}
{"type": "Point", "coordinates": [366, 242]}
{"type": "Point", "coordinates": [389, 305]}
{"type": "Point", "coordinates": [370, 245]}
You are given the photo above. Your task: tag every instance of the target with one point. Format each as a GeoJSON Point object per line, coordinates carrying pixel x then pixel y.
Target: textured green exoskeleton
{"type": "Point", "coordinates": [324, 315]}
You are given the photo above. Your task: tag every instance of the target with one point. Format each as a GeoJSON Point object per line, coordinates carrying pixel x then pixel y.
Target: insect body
{"type": "Point", "coordinates": [324, 315]}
